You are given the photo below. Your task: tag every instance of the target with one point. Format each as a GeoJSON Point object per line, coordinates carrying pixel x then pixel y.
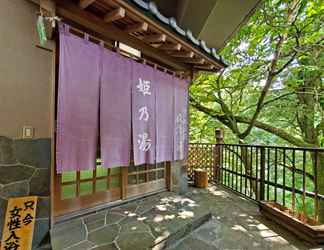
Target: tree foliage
{"type": "Point", "coordinates": [272, 92]}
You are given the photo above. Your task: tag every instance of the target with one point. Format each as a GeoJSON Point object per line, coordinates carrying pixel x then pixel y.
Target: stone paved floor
{"type": "Point", "coordinates": [164, 219]}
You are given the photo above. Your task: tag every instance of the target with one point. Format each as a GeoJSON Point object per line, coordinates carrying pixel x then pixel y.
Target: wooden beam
{"type": "Point", "coordinates": [185, 54]}
{"type": "Point", "coordinates": [72, 12]}
{"type": "Point", "coordinates": [193, 60]}
{"type": "Point", "coordinates": [85, 3]}
{"type": "Point", "coordinates": [137, 27]}
{"type": "Point", "coordinates": [158, 38]}
{"type": "Point", "coordinates": [170, 46]}
{"type": "Point", "coordinates": [115, 15]}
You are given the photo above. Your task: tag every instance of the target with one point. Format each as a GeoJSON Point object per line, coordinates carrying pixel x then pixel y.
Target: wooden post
{"type": "Point", "coordinates": [124, 182]}
{"type": "Point", "coordinates": [168, 176]}
{"type": "Point", "coordinates": [262, 174]}
{"type": "Point", "coordinates": [219, 135]}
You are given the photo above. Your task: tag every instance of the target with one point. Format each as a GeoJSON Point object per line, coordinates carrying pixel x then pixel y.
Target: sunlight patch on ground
{"type": "Point", "coordinates": [186, 214]}
{"type": "Point", "coordinates": [267, 234]}
{"type": "Point", "coordinates": [158, 218]}
{"type": "Point", "coordinates": [239, 228]}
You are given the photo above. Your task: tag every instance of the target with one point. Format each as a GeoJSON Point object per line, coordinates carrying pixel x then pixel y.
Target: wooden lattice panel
{"type": "Point", "coordinates": [201, 156]}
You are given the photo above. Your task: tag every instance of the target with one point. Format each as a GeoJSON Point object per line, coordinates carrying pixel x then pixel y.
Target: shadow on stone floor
{"type": "Point", "coordinates": [212, 218]}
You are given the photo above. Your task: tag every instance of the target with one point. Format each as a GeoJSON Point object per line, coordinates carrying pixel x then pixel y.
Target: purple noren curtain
{"type": "Point", "coordinates": [164, 116]}
{"type": "Point", "coordinates": [78, 97]}
{"type": "Point", "coordinates": [143, 114]}
{"type": "Point", "coordinates": [115, 110]}
{"type": "Point", "coordinates": [180, 119]}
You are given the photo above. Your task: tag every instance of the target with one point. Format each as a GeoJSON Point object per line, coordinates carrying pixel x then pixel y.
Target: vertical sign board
{"type": "Point", "coordinates": [19, 223]}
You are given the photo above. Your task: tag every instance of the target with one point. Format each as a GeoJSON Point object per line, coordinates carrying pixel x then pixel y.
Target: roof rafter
{"type": "Point", "coordinates": [115, 14]}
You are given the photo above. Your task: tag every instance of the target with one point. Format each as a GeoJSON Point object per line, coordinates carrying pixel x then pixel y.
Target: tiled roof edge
{"type": "Point", "coordinates": [152, 8]}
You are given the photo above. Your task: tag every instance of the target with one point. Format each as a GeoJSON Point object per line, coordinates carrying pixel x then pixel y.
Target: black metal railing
{"type": "Point", "coordinates": [285, 175]}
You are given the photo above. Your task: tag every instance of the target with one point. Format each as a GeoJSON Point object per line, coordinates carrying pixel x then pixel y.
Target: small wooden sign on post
{"type": "Point", "coordinates": [19, 223]}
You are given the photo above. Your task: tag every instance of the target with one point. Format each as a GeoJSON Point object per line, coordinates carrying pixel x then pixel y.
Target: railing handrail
{"type": "Point", "coordinates": [264, 173]}
{"type": "Point", "coordinates": [261, 146]}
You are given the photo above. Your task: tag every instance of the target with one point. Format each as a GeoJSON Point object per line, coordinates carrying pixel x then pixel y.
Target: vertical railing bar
{"type": "Point", "coordinates": [236, 168]}
{"type": "Point", "coordinates": [251, 174]}
{"type": "Point", "coordinates": [304, 184]}
{"type": "Point", "coordinates": [268, 175]}
{"type": "Point", "coordinates": [262, 173]}
{"type": "Point", "coordinates": [316, 186]}
{"type": "Point", "coordinates": [229, 167]}
{"type": "Point", "coordinates": [225, 164]}
{"type": "Point", "coordinates": [232, 167]}
{"type": "Point", "coordinates": [245, 174]}
{"type": "Point", "coordinates": [276, 176]}
{"type": "Point", "coordinates": [293, 182]}
{"type": "Point", "coordinates": [284, 178]}
{"type": "Point", "coordinates": [241, 169]}
{"type": "Point", "coordinates": [257, 190]}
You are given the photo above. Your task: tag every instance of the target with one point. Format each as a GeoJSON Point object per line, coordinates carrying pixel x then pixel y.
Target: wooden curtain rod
{"type": "Point", "coordinates": [122, 52]}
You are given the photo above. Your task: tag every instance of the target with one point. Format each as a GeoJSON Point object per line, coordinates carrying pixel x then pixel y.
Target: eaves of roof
{"type": "Point", "coordinates": [151, 10]}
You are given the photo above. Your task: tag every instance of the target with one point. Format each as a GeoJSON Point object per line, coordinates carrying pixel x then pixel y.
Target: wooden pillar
{"type": "Point", "coordinates": [168, 178]}
{"type": "Point", "coordinates": [124, 182]}
{"type": "Point", "coordinates": [219, 135]}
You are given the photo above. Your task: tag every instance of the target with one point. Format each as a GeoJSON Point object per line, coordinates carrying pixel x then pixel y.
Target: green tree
{"type": "Point", "coordinates": [274, 82]}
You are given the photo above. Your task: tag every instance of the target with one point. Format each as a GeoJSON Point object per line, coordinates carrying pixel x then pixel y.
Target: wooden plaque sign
{"type": "Point", "coordinates": [19, 223]}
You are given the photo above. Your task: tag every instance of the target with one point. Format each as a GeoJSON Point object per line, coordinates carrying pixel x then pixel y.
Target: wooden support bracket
{"type": "Point", "coordinates": [171, 46]}
{"type": "Point", "coordinates": [138, 27]}
{"type": "Point", "coordinates": [114, 15]}
{"type": "Point", "coordinates": [157, 38]}
{"type": "Point", "coordinates": [193, 60]}
{"type": "Point", "coordinates": [184, 54]}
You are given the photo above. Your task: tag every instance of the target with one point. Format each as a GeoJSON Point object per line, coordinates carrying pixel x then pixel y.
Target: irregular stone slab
{"type": "Point", "coordinates": [132, 241]}
{"type": "Point", "coordinates": [15, 189]}
{"type": "Point", "coordinates": [40, 183]}
{"type": "Point", "coordinates": [194, 244]}
{"type": "Point", "coordinates": [41, 229]}
{"type": "Point", "coordinates": [107, 247]}
{"type": "Point", "coordinates": [134, 226]}
{"type": "Point", "coordinates": [34, 152]}
{"type": "Point", "coordinates": [6, 151]}
{"type": "Point", "coordinates": [84, 245]}
{"type": "Point", "coordinates": [112, 217]}
{"type": "Point", "coordinates": [95, 221]}
{"type": "Point", "coordinates": [104, 235]}
{"type": "Point", "coordinates": [67, 234]}
{"type": "Point", "coordinates": [15, 173]}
